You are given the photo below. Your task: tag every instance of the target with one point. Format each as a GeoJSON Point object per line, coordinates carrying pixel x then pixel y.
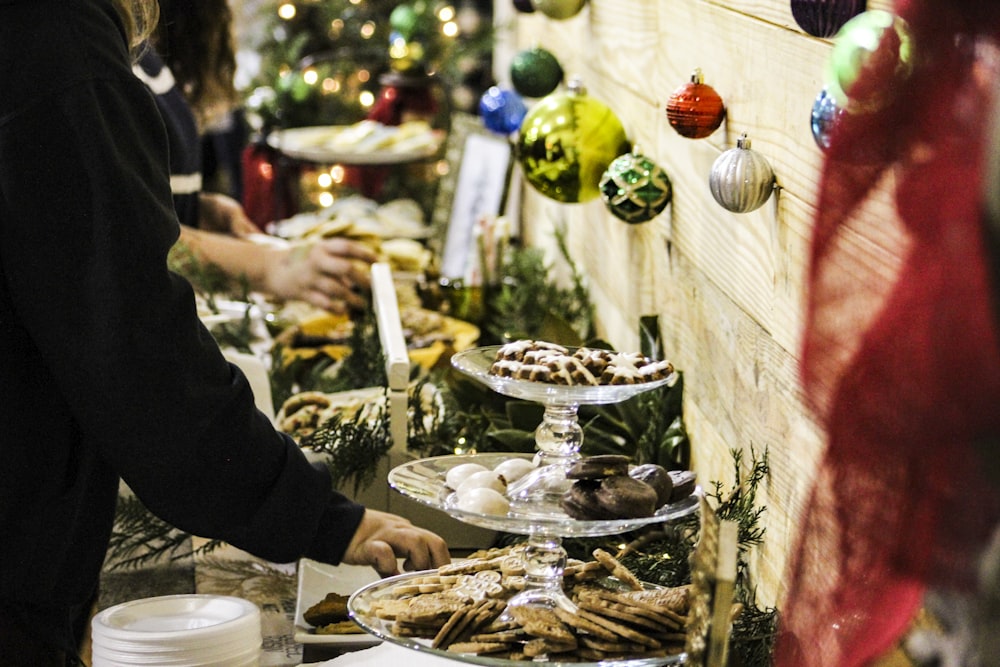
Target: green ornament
{"type": "Point", "coordinates": [559, 9]}
{"type": "Point", "coordinates": [872, 43]}
{"type": "Point", "coordinates": [535, 72]}
{"type": "Point", "coordinates": [635, 189]}
{"type": "Point", "coordinates": [566, 143]}
{"type": "Point", "coordinates": [412, 20]}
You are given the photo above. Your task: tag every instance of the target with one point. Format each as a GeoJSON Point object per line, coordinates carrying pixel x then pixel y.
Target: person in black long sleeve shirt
{"type": "Point", "coordinates": [105, 370]}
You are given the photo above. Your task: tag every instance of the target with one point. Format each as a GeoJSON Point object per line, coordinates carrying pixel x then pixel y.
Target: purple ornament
{"type": "Point", "coordinates": [524, 6]}
{"type": "Point", "coordinates": [824, 116]}
{"type": "Point", "coordinates": [502, 110]}
{"type": "Point", "coordinates": [823, 18]}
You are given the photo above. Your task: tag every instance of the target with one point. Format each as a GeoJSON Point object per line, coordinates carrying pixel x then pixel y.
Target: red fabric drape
{"type": "Point", "coordinates": [901, 358]}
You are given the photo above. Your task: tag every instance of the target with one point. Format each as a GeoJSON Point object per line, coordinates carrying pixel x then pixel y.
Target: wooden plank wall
{"type": "Point", "coordinates": [728, 287]}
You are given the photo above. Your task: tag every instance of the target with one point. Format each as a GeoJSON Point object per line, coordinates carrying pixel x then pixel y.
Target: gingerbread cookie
{"type": "Point", "coordinates": [541, 361]}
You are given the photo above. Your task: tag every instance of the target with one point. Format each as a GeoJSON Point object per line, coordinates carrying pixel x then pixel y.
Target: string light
{"type": "Point", "coordinates": [286, 11]}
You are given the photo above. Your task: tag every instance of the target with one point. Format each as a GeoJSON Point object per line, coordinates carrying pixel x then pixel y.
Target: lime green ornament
{"type": "Point", "coordinates": [870, 46]}
{"type": "Point", "coordinates": [559, 9]}
{"type": "Point", "coordinates": [535, 72]}
{"type": "Point", "coordinates": [635, 189]}
{"type": "Point", "coordinates": [566, 143]}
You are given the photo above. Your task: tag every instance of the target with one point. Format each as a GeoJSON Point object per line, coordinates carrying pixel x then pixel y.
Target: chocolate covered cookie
{"type": "Point", "coordinates": [658, 478]}
{"type": "Point", "coordinates": [599, 467]}
{"type": "Point", "coordinates": [626, 498]}
{"type": "Point", "coordinates": [684, 484]}
{"type": "Point", "coordinates": [616, 497]}
{"type": "Point", "coordinates": [581, 502]}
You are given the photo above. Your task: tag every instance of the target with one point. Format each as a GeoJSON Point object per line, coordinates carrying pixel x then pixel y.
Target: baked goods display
{"type": "Point", "coordinates": [464, 608]}
{"type": "Point", "coordinates": [302, 413]}
{"type": "Point", "coordinates": [510, 613]}
{"type": "Point", "coordinates": [320, 334]}
{"type": "Point", "coordinates": [364, 142]}
{"type": "Point", "coordinates": [541, 361]}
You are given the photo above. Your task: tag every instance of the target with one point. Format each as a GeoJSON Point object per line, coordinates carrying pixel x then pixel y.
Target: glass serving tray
{"type": "Point", "coordinates": [359, 608]}
{"type": "Point", "coordinates": [423, 480]}
{"type": "Point", "coordinates": [477, 362]}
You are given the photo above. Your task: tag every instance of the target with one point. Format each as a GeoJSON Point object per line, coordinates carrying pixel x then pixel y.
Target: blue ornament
{"type": "Point", "coordinates": [502, 110]}
{"type": "Point", "coordinates": [825, 114]}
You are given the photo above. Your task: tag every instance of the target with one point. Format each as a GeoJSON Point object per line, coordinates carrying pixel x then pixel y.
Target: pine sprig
{"type": "Point", "coordinates": [529, 304]}
{"type": "Point", "coordinates": [739, 504]}
{"type": "Point", "coordinates": [352, 446]}
{"type": "Point", "coordinates": [580, 308]}
{"type": "Point", "coordinates": [365, 365]}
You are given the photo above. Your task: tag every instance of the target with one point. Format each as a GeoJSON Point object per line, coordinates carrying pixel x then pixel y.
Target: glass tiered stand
{"type": "Point", "coordinates": [535, 509]}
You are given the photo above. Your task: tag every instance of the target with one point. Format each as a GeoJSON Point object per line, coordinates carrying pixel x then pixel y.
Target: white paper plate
{"type": "Point", "coordinates": [189, 618]}
{"type": "Point", "coordinates": [315, 581]}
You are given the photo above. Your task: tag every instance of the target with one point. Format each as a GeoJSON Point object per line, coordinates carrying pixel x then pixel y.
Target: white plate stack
{"type": "Point", "coordinates": [178, 631]}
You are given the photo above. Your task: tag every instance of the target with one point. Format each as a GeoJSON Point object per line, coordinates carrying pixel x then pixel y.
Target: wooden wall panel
{"type": "Point", "coordinates": [729, 288]}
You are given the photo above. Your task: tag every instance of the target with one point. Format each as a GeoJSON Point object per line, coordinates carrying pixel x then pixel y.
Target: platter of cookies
{"type": "Point", "coordinates": [603, 495]}
{"type": "Point", "coordinates": [553, 374]}
{"type": "Point", "coordinates": [464, 611]}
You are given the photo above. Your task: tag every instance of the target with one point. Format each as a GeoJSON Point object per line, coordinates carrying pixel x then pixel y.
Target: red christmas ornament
{"type": "Point", "coordinates": [695, 110]}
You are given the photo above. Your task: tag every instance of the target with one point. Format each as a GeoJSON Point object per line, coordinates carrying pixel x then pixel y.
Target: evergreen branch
{"type": "Point", "coordinates": [566, 315]}
{"type": "Point", "coordinates": [739, 504]}
{"type": "Point", "coordinates": [352, 446]}
{"type": "Point", "coordinates": [581, 308]}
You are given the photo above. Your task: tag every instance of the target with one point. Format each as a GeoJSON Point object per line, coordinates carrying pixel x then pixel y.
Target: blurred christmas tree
{"type": "Point", "coordinates": [326, 61]}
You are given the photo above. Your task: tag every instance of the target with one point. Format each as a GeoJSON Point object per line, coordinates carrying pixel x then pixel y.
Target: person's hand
{"type": "Point", "coordinates": [221, 213]}
{"type": "Point", "coordinates": [328, 273]}
{"type": "Point", "coordinates": [381, 538]}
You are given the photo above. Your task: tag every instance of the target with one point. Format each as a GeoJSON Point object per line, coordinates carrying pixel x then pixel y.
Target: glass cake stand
{"type": "Point", "coordinates": [559, 436]}
{"type": "Point", "coordinates": [535, 508]}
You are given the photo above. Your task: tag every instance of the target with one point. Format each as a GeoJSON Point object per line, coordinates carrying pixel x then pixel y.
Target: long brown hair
{"type": "Point", "coordinates": [195, 40]}
{"type": "Point", "coordinates": [139, 18]}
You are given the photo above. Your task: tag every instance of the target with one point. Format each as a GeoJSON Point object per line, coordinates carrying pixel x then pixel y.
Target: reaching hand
{"type": "Point", "coordinates": [327, 273]}
{"type": "Point", "coordinates": [381, 538]}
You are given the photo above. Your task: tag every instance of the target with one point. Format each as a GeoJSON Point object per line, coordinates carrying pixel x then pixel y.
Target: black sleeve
{"type": "Point", "coordinates": [87, 223]}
